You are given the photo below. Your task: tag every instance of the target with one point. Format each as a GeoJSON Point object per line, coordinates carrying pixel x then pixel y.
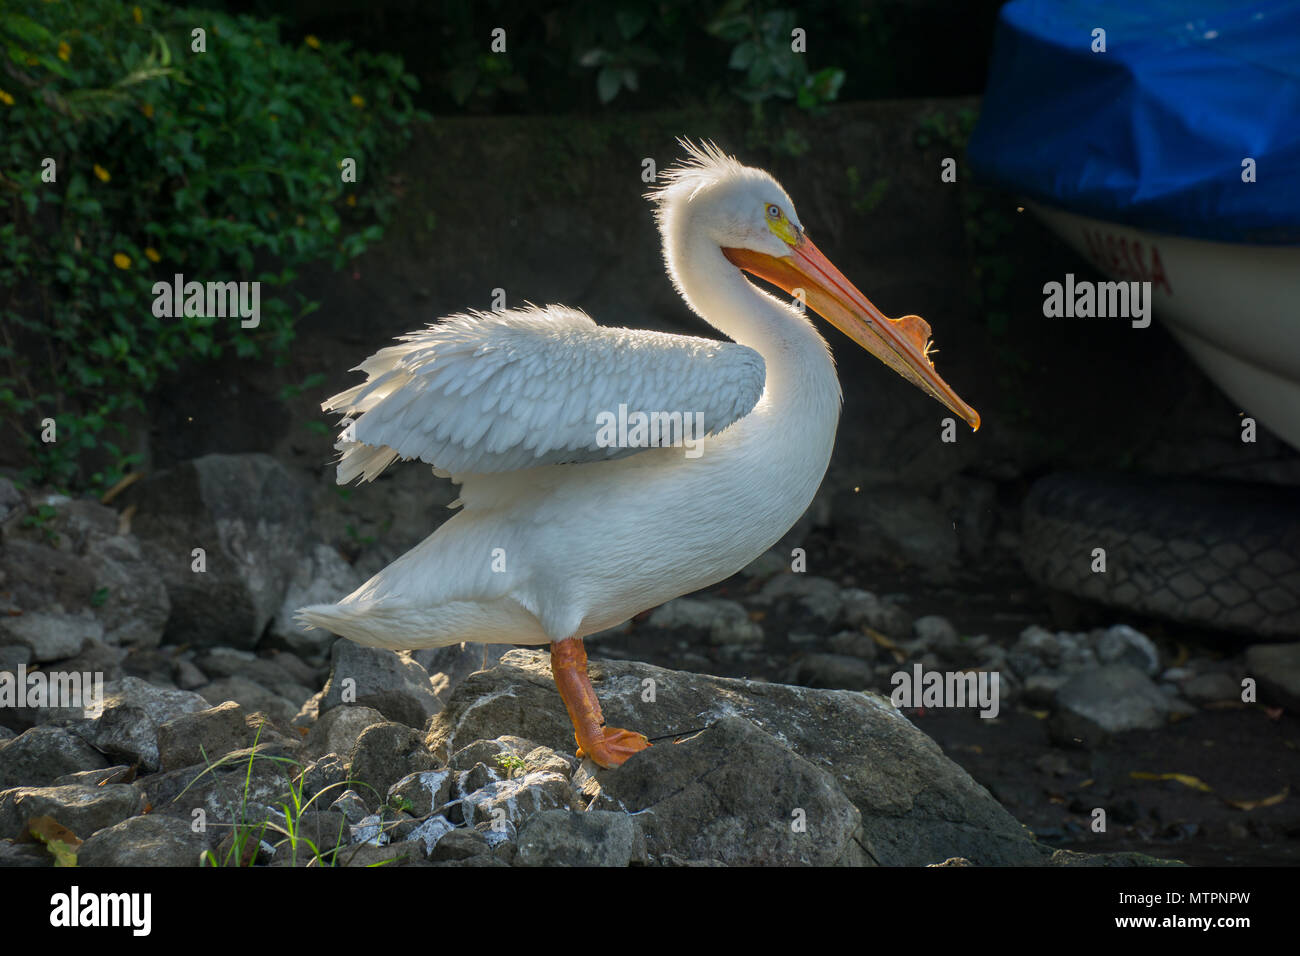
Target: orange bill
{"type": "Point", "coordinates": [902, 344]}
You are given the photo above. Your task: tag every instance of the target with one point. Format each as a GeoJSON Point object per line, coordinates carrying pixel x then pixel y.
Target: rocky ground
{"type": "Point", "coordinates": [229, 733]}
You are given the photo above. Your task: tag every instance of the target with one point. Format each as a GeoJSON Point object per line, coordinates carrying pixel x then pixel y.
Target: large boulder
{"type": "Point", "coordinates": [81, 809]}
{"type": "Point", "coordinates": [249, 517]}
{"type": "Point", "coordinates": [1276, 667]}
{"type": "Point", "coordinates": [133, 712]}
{"type": "Point", "coordinates": [828, 753]}
{"type": "Point", "coordinates": [322, 576]}
{"type": "Point", "coordinates": [153, 840]}
{"type": "Point", "coordinates": [389, 681]}
{"type": "Point", "coordinates": [79, 567]}
{"type": "Point", "coordinates": [41, 755]}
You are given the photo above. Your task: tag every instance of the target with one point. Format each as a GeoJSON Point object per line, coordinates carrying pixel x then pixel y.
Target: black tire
{"type": "Point", "coordinates": [1219, 554]}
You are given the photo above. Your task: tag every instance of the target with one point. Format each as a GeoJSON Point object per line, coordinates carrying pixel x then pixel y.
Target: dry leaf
{"type": "Point", "coordinates": [58, 839]}
{"type": "Point", "coordinates": [1186, 779]}
{"type": "Point", "coordinates": [1256, 804]}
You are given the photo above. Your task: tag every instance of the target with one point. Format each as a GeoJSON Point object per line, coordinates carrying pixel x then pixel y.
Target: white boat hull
{"type": "Point", "coordinates": [1234, 307]}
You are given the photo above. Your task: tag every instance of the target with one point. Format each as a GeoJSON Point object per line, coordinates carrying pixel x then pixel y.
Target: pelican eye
{"type": "Point", "coordinates": [774, 211]}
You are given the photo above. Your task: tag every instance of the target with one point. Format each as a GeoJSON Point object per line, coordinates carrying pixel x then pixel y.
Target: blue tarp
{"type": "Point", "coordinates": [1153, 131]}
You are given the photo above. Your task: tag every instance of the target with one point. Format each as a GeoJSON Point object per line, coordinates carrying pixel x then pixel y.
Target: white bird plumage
{"type": "Point", "coordinates": [502, 391]}
{"type": "Point", "coordinates": [558, 537]}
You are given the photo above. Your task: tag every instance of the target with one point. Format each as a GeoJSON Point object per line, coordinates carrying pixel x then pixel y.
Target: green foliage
{"type": "Point", "coordinates": [594, 52]}
{"type": "Point", "coordinates": [221, 165]}
{"type": "Point", "coordinates": [512, 764]}
{"type": "Point", "coordinates": [762, 48]}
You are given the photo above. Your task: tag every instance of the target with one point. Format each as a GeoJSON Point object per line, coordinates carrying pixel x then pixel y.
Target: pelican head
{"type": "Point", "coordinates": [754, 223]}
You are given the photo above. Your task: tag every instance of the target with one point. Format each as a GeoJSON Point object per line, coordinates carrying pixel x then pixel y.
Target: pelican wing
{"type": "Point", "coordinates": [502, 391]}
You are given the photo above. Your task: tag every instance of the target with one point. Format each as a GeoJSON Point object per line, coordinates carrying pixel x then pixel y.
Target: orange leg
{"type": "Point", "coordinates": [608, 746]}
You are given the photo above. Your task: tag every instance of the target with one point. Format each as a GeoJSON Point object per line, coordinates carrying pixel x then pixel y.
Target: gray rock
{"type": "Point", "coordinates": [491, 753]}
{"type": "Point", "coordinates": [766, 565]}
{"type": "Point", "coordinates": [916, 806]}
{"type": "Point", "coordinates": [40, 755]}
{"type": "Point", "coordinates": [832, 670]}
{"type": "Point", "coordinates": [96, 658]}
{"type": "Point", "coordinates": [383, 755]}
{"type": "Point", "coordinates": [800, 816]}
{"type": "Point", "coordinates": [594, 838]}
{"type": "Point", "coordinates": [1209, 688]}
{"type": "Point", "coordinates": [854, 644]}
{"type": "Point", "coordinates": [23, 854]}
{"type": "Point", "coordinates": [134, 606]}
{"type": "Point", "coordinates": [427, 832]}
{"type": "Point", "coordinates": [321, 576]}
{"type": "Point", "coordinates": [91, 570]}
{"type": "Point", "coordinates": [83, 810]}
{"type": "Point", "coordinates": [396, 854]}
{"type": "Point", "coordinates": [152, 840]}
{"type": "Point", "coordinates": [889, 523]}
{"type": "Point", "coordinates": [1041, 688]}
{"type": "Point", "coordinates": [864, 609]}
{"type": "Point", "coordinates": [1094, 704]}
{"type": "Point", "coordinates": [1121, 644]}
{"type": "Point", "coordinates": [935, 633]}
{"type": "Point", "coordinates": [319, 832]}
{"type": "Point", "coordinates": [251, 520]}
{"type": "Point", "coordinates": [13, 501]}
{"type": "Point", "coordinates": [96, 778]}
{"type": "Point", "coordinates": [448, 666]}
{"type": "Point", "coordinates": [394, 685]}
{"type": "Point", "coordinates": [338, 729]}
{"type": "Point", "coordinates": [14, 656]}
{"type": "Point", "coordinates": [370, 829]}
{"type": "Point", "coordinates": [254, 697]}
{"type": "Point", "coordinates": [203, 736]}
{"type": "Point", "coordinates": [1276, 667]}
{"type": "Point", "coordinates": [455, 844]}
{"type": "Point", "coordinates": [133, 712]}
{"type": "Point", "coordinates": [350, 805]}
{"type": "Point", "coordinates": [1039, 642]}
{"type": "Point", "coordinates": [188, 676]}
{"type": "Point", "coordinates": [514, 800]}
{"type": "Point", "coordinates": [323, 779]}
{"type": "Point", "coordinates": [422, 793]}
{"type": "Point", "coordinates": [51, 635]}
{"type": "Point", "coordinates": [816, 596]}
{"type": "Point", "coordinates": [724, 621]}
{"type": "Point", "coordinates": [241, 788]}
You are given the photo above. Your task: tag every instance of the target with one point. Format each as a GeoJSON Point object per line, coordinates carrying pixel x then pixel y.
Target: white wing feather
{"type": "Point", "coordinates": [501, 391]}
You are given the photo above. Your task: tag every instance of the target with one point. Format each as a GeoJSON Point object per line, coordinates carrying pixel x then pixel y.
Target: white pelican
{"type": "Point", "coordinates": [559, 535]}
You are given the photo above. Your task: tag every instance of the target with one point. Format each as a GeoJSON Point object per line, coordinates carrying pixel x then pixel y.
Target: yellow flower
{"type": "Point", "coordinates": [351, 200]}
{"type": "Point", "coordinates": [121, 260]}
{"type": "Point", "coordinates": [358, 100]}
{"type": "Point", "coordinates": [151, 254]}
{"type": "Point", "coordinates": [311, 41]}
{"type": "Point", "coordinates": [137, 15]}
{"type": "Point", "coordinates": [147, 110]}
{"type": "Point", "coordinates": [102, 173]}
{"type": "Point", "coordinates": [6, 99]}
{"type": "Point", "coordinates": [65, 51]}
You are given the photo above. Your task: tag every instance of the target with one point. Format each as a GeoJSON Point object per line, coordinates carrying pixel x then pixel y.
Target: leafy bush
{"type": "Point", "coordinates": [564, 56]}
{"type": "Point", "coordinates": [220, 165]}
